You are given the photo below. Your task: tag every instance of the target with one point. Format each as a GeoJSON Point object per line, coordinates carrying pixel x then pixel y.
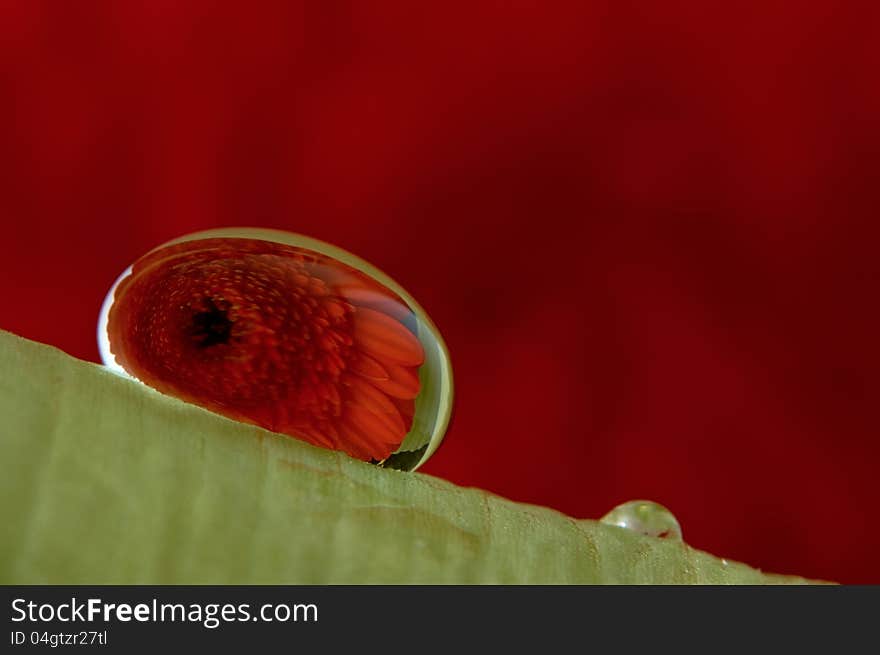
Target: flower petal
{"type": "Point", "coordinates": [386, 339]}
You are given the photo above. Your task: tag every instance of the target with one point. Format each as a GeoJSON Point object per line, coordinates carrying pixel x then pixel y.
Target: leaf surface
{"type": "Point", "coordinates": [105, 481]}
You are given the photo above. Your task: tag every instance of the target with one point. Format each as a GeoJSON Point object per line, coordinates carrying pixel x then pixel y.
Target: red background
{"type": "Point", "coordinates": [646, 230]}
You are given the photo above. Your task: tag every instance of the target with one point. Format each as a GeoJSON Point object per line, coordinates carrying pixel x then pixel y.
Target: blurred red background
{"type": "Point", "coordinates": [647, 231]}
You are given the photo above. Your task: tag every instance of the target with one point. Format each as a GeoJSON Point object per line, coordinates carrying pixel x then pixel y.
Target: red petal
{"type": "Point", "coordinates": [369, 397]}
{"type": "Point", "coordinates": [372, 299]}
{"type": "Point", "coordinates": [379, 430]}
{"type": "Point", "coordinates": [407, 408]}
{"type": "Point", "coordinates": [402, 382]}
{"type": "Point", "coordinates": [368, 367]}
{"type": "Point", "coordinates": [387, 339]}
{"type": "Point", "coordinates": [360, 445]}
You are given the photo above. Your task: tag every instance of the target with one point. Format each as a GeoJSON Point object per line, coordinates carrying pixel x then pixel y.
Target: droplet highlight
{"type": "Point", "coordinates": [285, 332]}
{"type": "Point", "coordinates": [645, 517]}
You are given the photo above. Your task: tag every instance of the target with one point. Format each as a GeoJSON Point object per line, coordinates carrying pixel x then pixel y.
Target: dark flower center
{"type": "Point", "coordinates": [211, 326]}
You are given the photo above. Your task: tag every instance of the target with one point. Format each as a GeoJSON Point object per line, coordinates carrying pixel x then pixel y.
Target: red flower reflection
{"type": "Point", "coordinates": [275, 335]}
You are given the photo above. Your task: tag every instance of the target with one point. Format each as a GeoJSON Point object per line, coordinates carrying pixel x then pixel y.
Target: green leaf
{"type": "Point", "coordinates": [104, 481]}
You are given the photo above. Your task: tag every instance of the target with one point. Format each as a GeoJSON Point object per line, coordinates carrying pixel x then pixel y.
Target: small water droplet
{"type": "Point", "coordinates": [645, 517]}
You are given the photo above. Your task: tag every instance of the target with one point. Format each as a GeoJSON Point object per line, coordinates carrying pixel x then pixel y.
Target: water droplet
{"type": "Point", "coordinates": [645, 517]}
{"type": "Point", "coordinates": [286, 332]}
